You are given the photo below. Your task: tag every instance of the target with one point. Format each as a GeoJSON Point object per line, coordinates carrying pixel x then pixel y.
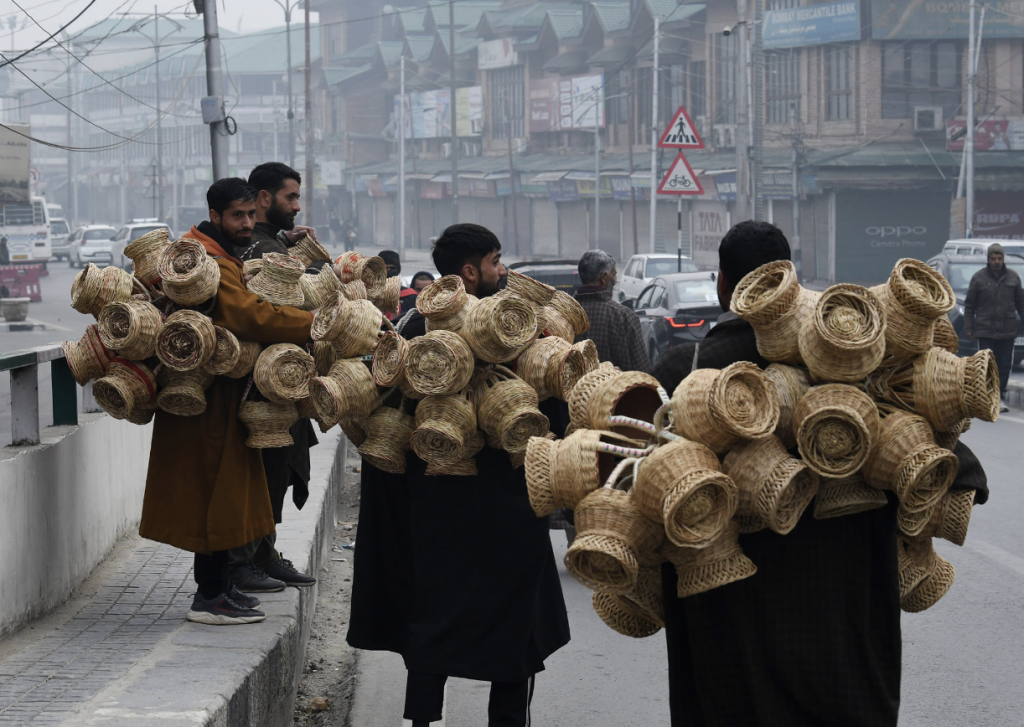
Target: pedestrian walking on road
{"type": "Point", "coordinates": [258, 567]}
{"type": "Point", "coordinates": [206, 491]}
{"type": "Point", "coordinates": [457, 574]}
{"type": "Point", "coordinates": [994, 300]}
{"type": "Point", "coordinates": [813, 638]}
{"type": "Point", "coordinates": [614, 328]}
{"type": "Point", "coordinates": [5, 253]}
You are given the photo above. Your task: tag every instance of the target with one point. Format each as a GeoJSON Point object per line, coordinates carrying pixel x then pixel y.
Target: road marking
{"type": "Point", "coordinates": [444, 709]}
{"type": "Point", "coordinates": [994, 552]}
{"type": "Point", "coordinates": [47, 324]}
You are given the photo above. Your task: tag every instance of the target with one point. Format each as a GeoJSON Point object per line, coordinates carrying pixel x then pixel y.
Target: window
{"type": "Point", "coordinates": [920, 74]}
{"type": "Point", "coordinates": [839, 82]}
{"type": "Point", "coordinates": [632, 268]}
{"type": "Point", "coordinates": [697, 92]}
{"type": "Point", "coordinates": [507, 102]}
{"type": "Point", "coordinates": [782, 86]}
{"type": "Point", "coordinates": [617, 110]}
{"type": "Point", "coordinates": [335, 42]}
{"type": "Point", "coordinates": [252, 141]}
{"type": "Point", "coordinates": [697, 291]}
{"type": "Point", "coordinates": [645, 298]}
{"type": "Point", "coordinates": [727, 69]}
{"type": "Point", "coordinates": [667, 266]}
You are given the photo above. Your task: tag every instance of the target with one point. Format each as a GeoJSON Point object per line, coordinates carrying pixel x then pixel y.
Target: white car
{"type": "Point", "coordinates": [641, 269]}
{"type": "Point", "coordinates": [979, 246]}
{"type": "Point", "coordinates": [90, 244]}
{"type": "Point", "coordinates": [128, 233]}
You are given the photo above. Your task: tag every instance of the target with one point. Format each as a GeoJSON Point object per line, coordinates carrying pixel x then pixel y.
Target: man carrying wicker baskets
{"type": "Point", "coordinates": [457, 573]}
{"type": "Point", "coordinates": [206, 491]}
{"type": "Point", "coordinates": [814, 636]}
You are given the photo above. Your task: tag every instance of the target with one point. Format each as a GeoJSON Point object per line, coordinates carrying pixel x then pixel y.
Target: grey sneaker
{"type": "Point", "coordinates": [242, 599]}
{"type": "Point", "coordinates": [222, 611]}
{"type": "Point", "coordinates": [283, 570]}
{"type": "Point", "coordinates": [250, 579]}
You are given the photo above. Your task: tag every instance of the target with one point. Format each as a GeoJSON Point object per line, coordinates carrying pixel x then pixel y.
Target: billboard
{"type": "Point", "coordinates": [14, 164]}
{"type": "Point", "coordinates": [496, 54]}
{"type": "Point", "coordinates": [557, 104]}
{"type": "Point", "coordinates": [811, 25]}
{"type": "Point", "coordinates": [988, 136]}
{"type": "Point", "coordinates": [930, 20]}
{"type": "Point", "coordinates": [428, 114]}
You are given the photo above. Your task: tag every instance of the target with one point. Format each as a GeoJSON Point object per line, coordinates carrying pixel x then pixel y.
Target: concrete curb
{"type": "Point", "coordinates": [1015, 394]}
{"type": "Point", "coordinates": [246, 675]}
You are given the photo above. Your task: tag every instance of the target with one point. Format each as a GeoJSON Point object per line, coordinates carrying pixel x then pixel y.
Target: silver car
{"type": "Point", "coordinates": [90, 244]}
{"type": "Point", "coordinates": [638, 272]}
{"type": "Point", "coordinates": [130, 232]}
{"type": "Point", "coordinates": [59, 232]}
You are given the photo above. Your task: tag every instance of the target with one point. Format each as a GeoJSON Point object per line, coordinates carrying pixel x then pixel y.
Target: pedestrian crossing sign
{"type": "Point", "coordinates": [681, 133]}
{"type": "Point", "coordinates": [680, 179]}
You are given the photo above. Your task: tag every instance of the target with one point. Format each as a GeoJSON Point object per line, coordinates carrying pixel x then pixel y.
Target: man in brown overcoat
{"type": "Point", "coordinates": [206, 491]}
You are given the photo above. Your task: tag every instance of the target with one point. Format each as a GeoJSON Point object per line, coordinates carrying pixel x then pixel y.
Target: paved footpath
{"type": "Point", "coordinates": [143, 600]}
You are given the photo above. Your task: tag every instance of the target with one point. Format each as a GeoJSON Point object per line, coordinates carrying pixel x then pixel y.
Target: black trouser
{"type": "Point", "coordinates": [509, 705]}
{"type": "Point", "coordinates": [1002, 349]}
{"type": "Point", "coordinates": [211, 573]}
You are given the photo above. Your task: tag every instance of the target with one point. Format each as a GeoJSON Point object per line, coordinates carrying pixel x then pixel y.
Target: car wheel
{"type": "Point", "coordinates": [71, 262]}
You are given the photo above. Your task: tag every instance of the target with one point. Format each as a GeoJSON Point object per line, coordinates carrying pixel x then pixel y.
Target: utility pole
{"type": "Point", "coordinates": [309, 125]}
{"type": "Point", "coordinates": [215, 89]}
{"type": "Point", "coordinates": [973, 53]}
{"type": "Point", "coordinates": [632, 189]}
{"type": "Point", "coordinates": [757, 113]}
{"type": "Point", "coordinates": [452, 106]}
{"type": "Point", "coordinates": [401, 156]}
{"type": "Point", "coordinates": [159, 119]}
{"type": "Point", "coordinates": [654, 135]}
{"type": "Point", "coordinates": [71, 161]}
{"type": "Point", "coordinates": [596, 244]}
{"type": "Point", "coordinates": [288, 6]}
{"type": "Point", "coordinates": [512, 177]}
{"type": "Point", "coordinates": [742, 115]}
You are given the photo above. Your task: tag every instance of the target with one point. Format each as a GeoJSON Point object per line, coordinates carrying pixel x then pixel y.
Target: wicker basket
{"type": "Point", "coordinates": [943, 388]}
{"type": "Point", "coordinates": [465, 467]}
{"type": "Point", "coordinates": [581, 394]}
{"type": "Point", "coordinates": [498, 329]}
{"type": "Point", "coordinates": [127, 386]}
{"type": "Point", "coordinates": [439, 363]}
{"type": "Point", "coordinates": [283, 372]}
{"type": "Point", "coordinates": [835, 426]}
{"type": "Point", "coordinates": [917, 561]}
{"type": "Point", "coordinates": [319, 289]}
{"type": "Point", "coordinates": [354, 290]}
{"type": "Point", "coordinates": [551, 323]}
{"type": "Point", "coordinates": [907, 461]}
{"type": "Point", "coordinates": [681, 486]}
{"type": "Point", "coordinates": [445, 303]}
{"type": "Point", "coordinates": [444, 425]}
{"type": "Point", "coordinates": [773, 486]}
{"type": "Point", "coordinates": [388, 432]}
{"type": "Point", "coordinates": [189, 276]}
{"type": "Point", "coordinates": [372, 271]}
{"type": "Point", "coordinates": [719, 407]}
{"type": "Point", "coordinates": [846, 496]}
{"type": "Point", "coordinates": [248, 353]}
{"type": "Point", "coordinates": [225, 353]}
{"type": "Point", "coordinates": [791, 383]}
{"type": "Point", "coordinates": [637, 614]}
{"type": "Point", "coordinates": [347, 392]}
{"type": "Point", "coordinates": [140, 292]}
{"type": "Point", "coordinates": [702, 569]}
{"type": "Point", "coordinates": [945, 336]}
{"type": "Point", "coordinates": [387, 298]}
{"type": "Point", "coordinates": [775, 304]}
{"type": "Point", "coordinates": [278, 280]}
{"type": "Point", "coordinates": [951, 517]}
{"type": "Point", "coordinates": [352, 326]}
{"type": "Point", "coordinates": [389, 357]}
{"type": "Point", "coordinates": [88, 358]}
{"type": "Point", "coordinates": [309, 251]}
{"type": "Point", "coordinates": [268, 423]}
{"type": "Point", "coordinates": [626, 395]}
{"type": "Point", "coordinates": [252, 267]}
{"type": "Point", "coordinates": [560, 473]}
{"type": "Point", "coordinates": [571, 310]}
{"type": "Point", "coordinates": [913, 299]}
{"type": "Point", "coordinates": [844, 340]}
{"type": "Point", "coordinates": [142, 414]}
{"type": "Point", "coordinates": [94, 288]}
{"type": "Point", "coordinates": [352, 428]}
{"type": "Point", "coordinates": [145, 252]}
{"type": "Point", "coordinates": [182, 393]}
{"type": "Point", "coordinates": [589, 351]}
{"type": "Point", "coordinates": [507, 408]}
{"type": "Point", "coordinates": [324, 357]}
{"type": "Point", "coordinates": [130, 328]}
{"type": "Point", "coordinates": [931, 589]}
{"type": "Point", "coordinates": [610, 536]}
{"type": "Point", "coordinates": [551, 366]}
{"type": "Point", "coordinates": [187, 341]}
{"type": "Point", "coordinates": [529, 289]}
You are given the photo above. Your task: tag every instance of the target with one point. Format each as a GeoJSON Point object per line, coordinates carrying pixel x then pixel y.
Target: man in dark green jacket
{"type": "Point", "coordinates": [994, 300]}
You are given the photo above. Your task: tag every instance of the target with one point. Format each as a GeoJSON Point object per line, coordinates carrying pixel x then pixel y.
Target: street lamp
{"type": "Point", "coordinates": [158, 200]}
{"type": "Point", "coordinates": [288, 6]}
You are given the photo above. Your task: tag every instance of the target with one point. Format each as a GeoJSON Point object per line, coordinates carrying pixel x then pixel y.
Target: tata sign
{"type": "Point", "coordinates": [931, 20]}
{"type": "Point", "coordinates": [812, 25]}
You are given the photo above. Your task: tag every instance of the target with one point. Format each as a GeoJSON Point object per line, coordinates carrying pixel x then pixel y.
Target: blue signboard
{"type": "Point", "coordinates": [936, 20]}
{"type": "Point", "coordinates": [564, 190]}
{"type": "Point", "coordinates": [811, 25]}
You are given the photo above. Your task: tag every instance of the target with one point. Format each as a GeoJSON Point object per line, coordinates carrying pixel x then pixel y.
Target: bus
{"type": "Point", "coordinates": [27, 229]}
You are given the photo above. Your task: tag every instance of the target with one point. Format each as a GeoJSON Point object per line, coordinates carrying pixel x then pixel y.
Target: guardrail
{"type": "Point", "coordinates": [24, 368]}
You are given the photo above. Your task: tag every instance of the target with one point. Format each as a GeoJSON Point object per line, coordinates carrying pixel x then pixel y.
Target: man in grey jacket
{"type": "Point", "coordinates": [994, 300]}
{"type": "Point", "coordinates": [614, 328]}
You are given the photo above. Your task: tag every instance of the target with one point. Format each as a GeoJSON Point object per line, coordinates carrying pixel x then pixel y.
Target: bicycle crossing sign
{"type": "Point", "coordinates": [681, 133]}
{"type": "Point", "coordinates": [680, 179]}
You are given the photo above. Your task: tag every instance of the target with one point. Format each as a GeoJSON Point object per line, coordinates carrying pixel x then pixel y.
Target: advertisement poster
{"type": "Point", "coordinates": [999, 215]}
{"type": "Point", "coordinates": [469, 108]}
{"type": "Point", "coordinates": [710, 223]}
{"type": "Point", "coordinates": [496, 54]}
{"type": "Point", "coordinates": [14, 164]}
{"type": "Point", "coordinates": [988, 135]}
{"type": "Point", "coordinates": [812, 25]}
{"type": "Point", "coordinates": [557, 104]}
{"type": "Point", "coordinates": [931, 20]}
{"type": "Point", "coordinates": [428, 114]}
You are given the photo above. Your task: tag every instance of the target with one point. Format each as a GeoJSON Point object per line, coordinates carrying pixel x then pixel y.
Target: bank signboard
{"type": "Point", "coordinates": [936, 20]}
{"type": "Point", "coordinates": [874, 229]}
{"type": "Point", "coordinates": [812, 25]}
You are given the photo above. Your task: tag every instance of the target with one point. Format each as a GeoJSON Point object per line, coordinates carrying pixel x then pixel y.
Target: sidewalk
{"type": "Point", "coordinates": [1015, 394]}
{"type": "Point", "coordinates": [121, 652]}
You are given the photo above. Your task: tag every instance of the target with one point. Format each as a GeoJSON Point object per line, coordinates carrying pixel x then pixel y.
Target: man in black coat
{"type": "Point", "coordinates": [457, 574]}
{"type": "Point", "coordinates": [813, 638]}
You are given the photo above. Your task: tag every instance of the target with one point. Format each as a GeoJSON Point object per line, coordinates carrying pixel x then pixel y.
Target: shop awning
{"type": "Point", "coordinates": [545, 177]}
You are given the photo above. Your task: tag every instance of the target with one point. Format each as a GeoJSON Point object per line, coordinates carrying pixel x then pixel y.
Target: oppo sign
{"type": "Point", "coordinates": [897, 235]}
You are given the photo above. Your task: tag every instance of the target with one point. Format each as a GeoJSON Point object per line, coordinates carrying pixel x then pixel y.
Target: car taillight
{"type": "Point", "coordinates": [683, 323]}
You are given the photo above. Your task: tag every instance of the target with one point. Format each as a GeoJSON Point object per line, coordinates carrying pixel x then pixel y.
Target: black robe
{"type": "Point", "coordinates": [456, 574]}
{"type": "Point", "coordinates": [813, 638]}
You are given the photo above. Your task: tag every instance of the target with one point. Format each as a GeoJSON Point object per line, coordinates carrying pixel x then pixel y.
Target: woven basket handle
{"type": "Point", "coordinates": [622, 451]}
{"type": "Point", "coordinates": [621, 467]}
{"type": "Point", "coordinates": [643, 426]}
{"type": "Point", "coordinates": [665, 398]}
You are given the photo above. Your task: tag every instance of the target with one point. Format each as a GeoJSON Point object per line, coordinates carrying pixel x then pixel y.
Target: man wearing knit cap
{"type": "Point", "coordinates": [994, 300]}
